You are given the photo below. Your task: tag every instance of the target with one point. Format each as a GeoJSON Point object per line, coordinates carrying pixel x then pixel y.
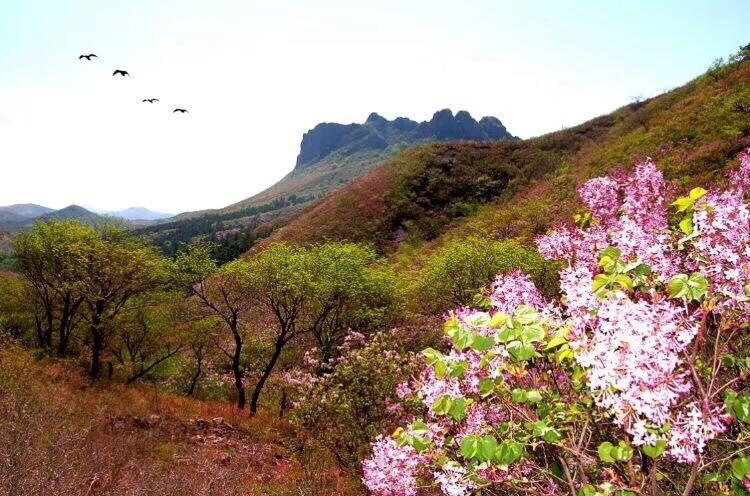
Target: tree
{"type": "Point", "coordinates": [223, 293]}
{"type": "Point", "coordinates": [320, 290]}
{"type": "Point", "coordinates": [455, 273]}
{"type": "Point", "coordinates": [18, 313]}
{"type": "Point", "coordinates": [52, 257]}
{"type": "Point", "coordinates": [149, 331]}
{"type": "Point", "coordinates": [117, 269]}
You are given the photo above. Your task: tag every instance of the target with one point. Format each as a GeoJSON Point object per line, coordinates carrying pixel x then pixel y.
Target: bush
{"type": "Point", "coordinates": [454, 274]}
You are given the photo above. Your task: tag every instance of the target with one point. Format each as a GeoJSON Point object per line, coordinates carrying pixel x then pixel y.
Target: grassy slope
{"type": "Point", "coordinates": [61, 436]}
{"type": "Point", "coordinates": [439, 191]}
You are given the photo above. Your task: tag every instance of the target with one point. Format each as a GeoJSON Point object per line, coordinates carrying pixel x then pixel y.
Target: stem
{"type": "Point", "coordinates": [571, 485]}
{"type": "Point", "coordinates": [691, 481]}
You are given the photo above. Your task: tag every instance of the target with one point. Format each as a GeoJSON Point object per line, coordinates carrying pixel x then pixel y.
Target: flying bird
{"type": "Point", "coordinates": [87, 57]}
{"type": "Point", "coordinates": [181, 110]}
{"type": "Point", "coordinates": [150, 100]}
{"type": "Point", "coordinates": [121, 72]}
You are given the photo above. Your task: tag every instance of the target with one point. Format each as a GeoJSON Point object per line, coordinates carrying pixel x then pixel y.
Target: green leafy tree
{"type": "Point", "coordinates": [52, 257]}
{"type": "Point", "coordinates": [224, 294]}
{"type": "Point", "coordinates": [117, 269]}
{"type": "Point", "coordinates": [321, 290]}
{"type": "Point", "coordinates": [151, 330]}
{"type": "Point", "coordinates": [454, 274]}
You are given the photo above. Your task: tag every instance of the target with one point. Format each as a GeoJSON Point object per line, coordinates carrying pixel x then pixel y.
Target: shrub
{"type": "Point", "coordinates": [635, 383]}
{"type": "Point", "coordinates": [454, 274]}
{"type": "Point", "coordinates": [341, 404]}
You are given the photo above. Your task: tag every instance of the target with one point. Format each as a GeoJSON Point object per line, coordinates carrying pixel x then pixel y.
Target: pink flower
{"type": "Point", "coordinates": [391, 471]}
{"type": "Point", "coordinates": [601, 196]}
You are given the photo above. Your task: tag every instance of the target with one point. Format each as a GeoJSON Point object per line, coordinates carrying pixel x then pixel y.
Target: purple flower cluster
{"type": "Point", "coordinates": [392, 470]}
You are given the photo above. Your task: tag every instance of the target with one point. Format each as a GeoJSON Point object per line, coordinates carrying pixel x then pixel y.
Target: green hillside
{"type": "Point", "coordinates": [425, 196]}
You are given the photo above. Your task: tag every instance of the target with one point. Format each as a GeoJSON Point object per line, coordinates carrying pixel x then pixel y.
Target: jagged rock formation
{"type": "Point", "coordinates": [378, 133]}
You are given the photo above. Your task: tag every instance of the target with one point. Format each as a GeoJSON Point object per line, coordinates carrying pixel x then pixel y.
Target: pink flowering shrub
{"type": "Point", "coordinates": [342, 403]}
{"type": "Point", "coordinates": [634, 382]}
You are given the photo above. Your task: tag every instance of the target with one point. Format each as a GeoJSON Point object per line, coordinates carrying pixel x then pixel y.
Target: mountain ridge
{"type": "Point", "coordinates": [378, 133]}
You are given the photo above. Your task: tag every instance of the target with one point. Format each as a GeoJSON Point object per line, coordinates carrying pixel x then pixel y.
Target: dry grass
{"type": "Point", "coordinates": [61, 436]}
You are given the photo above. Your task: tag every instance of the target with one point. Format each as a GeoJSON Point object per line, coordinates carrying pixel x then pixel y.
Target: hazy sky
{"type": "Point", "coordinates": [256, 75]}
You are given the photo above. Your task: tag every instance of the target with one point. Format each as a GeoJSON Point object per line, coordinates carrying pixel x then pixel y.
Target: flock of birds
{"type": "Point", "coordinates": [122, 73]}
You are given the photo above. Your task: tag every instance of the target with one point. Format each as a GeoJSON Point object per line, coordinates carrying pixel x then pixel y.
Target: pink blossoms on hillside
{"type": "Point", "coordinates": [643, 344]}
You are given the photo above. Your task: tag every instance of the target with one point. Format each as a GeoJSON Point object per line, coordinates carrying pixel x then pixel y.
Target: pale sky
{"type": "Point", "coordinates": [255, 75]}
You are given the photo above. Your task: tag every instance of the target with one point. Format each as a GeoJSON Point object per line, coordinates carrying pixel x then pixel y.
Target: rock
{"type": "Point", "coordinates": [378, 133]}
{"type": "Point", "coordinates": [225, 459]}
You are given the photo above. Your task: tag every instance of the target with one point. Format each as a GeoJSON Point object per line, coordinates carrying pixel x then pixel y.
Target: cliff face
{"type": "Point", "coordinates": [378, 133]}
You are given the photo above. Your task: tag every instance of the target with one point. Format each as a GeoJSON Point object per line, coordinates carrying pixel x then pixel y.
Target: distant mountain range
{"type": "Point", "coordinates": [23, 216]}
{"type": "Point", "coordinates": [138, 213]}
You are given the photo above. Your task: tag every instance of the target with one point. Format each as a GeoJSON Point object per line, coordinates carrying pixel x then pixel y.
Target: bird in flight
{"type": "Point", "coordinates": [87, 57]}
{"type": "Point", "coordinates": [121, 72]}
{"type": "Point", "coordinates": [150, 100]}
{"type": "Point", "coordinates": [181, 110]}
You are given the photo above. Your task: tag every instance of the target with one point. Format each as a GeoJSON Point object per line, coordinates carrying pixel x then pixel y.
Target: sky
{"type": "Point", "coordinates": [255, 75]}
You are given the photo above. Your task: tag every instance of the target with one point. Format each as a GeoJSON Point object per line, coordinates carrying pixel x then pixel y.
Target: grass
{"type": "Point", "coordinates": [61, 436]}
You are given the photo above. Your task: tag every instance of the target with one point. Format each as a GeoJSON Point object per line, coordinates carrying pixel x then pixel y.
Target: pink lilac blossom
{"type": "Point", "coordinates": [392, 470]}
{"type": "Point", "coordinates": [452, 480]}
{"type": "Point", "coordinates": [634, 360]}
{"type": "Point", "coordinates": [722, 245]}
{"type": "Point", "coordinates": [514, 289]}
{"type": "Point", "coordinates": [601, 196]}
{"type": "Point", "coordinates": [692, 430]}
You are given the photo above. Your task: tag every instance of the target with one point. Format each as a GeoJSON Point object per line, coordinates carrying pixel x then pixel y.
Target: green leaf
{"type": "Point", "coordinates": [519, 396]}
{"type": "Point", "coordinates": [697, 193]}
{"type": "Point", "coordinates": [588, 490]}
{"type": "Point", "coordinates": [622, 452]}
{"type": "Point", "coordinates": [521, 351]}
{"type": "Point", "coordinates": [487, 447]}
{"type": "Point", "coordinates": [419, 428]}
{"type": "Point", "coordinates": [440, 369]}
{"type": "Point", "coordinates": [605, 450]}
{"type": "Point", "coordinates": [457, 409]}
{"type": "Point", "coordinates": [740, 468]}
{"type": "Point", "coordinates": [459, 369]}
{"type": "Point", "coordinates": [545, 431]}
{"type": "Point", "coordinates": [498, 320]}
{"type": "Point", "coordinates": [740, 408]}
{"type": "Point", "coordinates": [432, 356]}
{"type": "Point", "coordinates": [486, 387]}
{"type": "Point", "coordinates": [686, 225]}
{"type": "Point", "coordinates": [690, 288]}
{"type": "Point", "coordinates": [533, 396]}
{"type": "Point", "coordinates": [508, 452]}
{"type": "Point", "coordinates": [656, 450]}
{"type": "Point", "coordinates": [555, 342]}
{"type": "Point", "coordinates": [442, 405]}
{"type": "Point", "coordinates": [532, 334]}
{"type": "Point", "coordinates": [610, 255]}
{"type": "Point", "coordinates": [625, 282]}
{"type": "Point", "coordinates": [481, 343]}
{"type": "Point", "coordinates": [601, 281]}
{"type": "Point", "coordinates": [462, 339]}
{"type": "Point", "coordinates": [508, 334]}
{"type": "Point", "coordinates": [525, 315]}
{"type": "Point", "coordinates": [470, 447]}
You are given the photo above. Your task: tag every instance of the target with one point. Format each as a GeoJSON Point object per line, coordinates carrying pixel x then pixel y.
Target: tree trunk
{"type": "Point", "coordinates": [266, 374]}
{"type": "Point", "coordinates": [196, 376]}
{"type": "Point", "coordinates": [97, 341]}
{"type": "Point", "coordinates": [237, 367]}
{"type": "Point", "coordinates": [97, 346]}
